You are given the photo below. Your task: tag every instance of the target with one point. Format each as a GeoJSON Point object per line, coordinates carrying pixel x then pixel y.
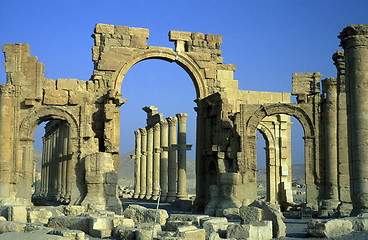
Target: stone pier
{"type": "Point", "coordinates": [137, 164]}
{"type": "Point", "coordinates": [143, 159]}
{"type": "Point", "coordinates": [164, 170]}
{"type": "Point", "coordinates": [354, 40]}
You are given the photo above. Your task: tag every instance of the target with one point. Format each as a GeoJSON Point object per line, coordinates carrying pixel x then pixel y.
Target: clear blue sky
{"type": "Point", "coordinates": [268, 40]}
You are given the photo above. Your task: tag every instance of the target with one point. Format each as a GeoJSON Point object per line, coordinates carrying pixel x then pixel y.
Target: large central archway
{"type": "Point", "coordinates": [166, 54]}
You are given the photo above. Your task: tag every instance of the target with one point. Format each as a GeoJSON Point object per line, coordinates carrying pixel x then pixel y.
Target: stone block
{"type": "Point", "coordinates": [193, 218]}
{"type": "Point", "coordinates": [104, 28]}
{"type": "Point", "coordinates": [359, 224]}
{"type": "Point", "coordinates": [121, 221]}
{"type": "Point", "coordinates": [67, 84]}
{"type": "Point", "coordinates": [33, 236]}
{"type": "Point", "coordinates": [138, 42]}
{"type": "Point", "coordinates": [213, 38]}
{"type": "Point", "coordinates": [179, 35]}
{"type": "Point", "coordinates": [231, 213]}
{"type": "Point", "coordinates": [55, 97]}
{"type": "Point", "coordinates": [71, 222]}
{"type": "Point", "coordinates": [141, 214]}
{"type": "Point", "coordinates": [215, 225]}
{"type": "Point", "coordinates": [17, 214]}
{"type": "Point", "coordinates": [69, 234]}
{"type": "Point", "coordinates": [74, 210]}
{"type": "Point", "coordinates": [272, 213]}
{"type": "Point", "coordinates": [141, 32]}
{"type": "Point", "coordinates": [2, 219]}
{"type": "Point", "coordinates": [330, 228]}
{"type": "Point", "coordinates": [39, 215]}
{"type": "Point", "coordinates": [198, 36]}
{"type": "Point", "coordinates": [191, 232]}
{"type": "Point", "coordinates": [173, 225]}
{"type": "Point", "coordinates": [121, 30]}
{"type": "Point", "coordinates": [256, 230]}
{"type": "Point", "coordinates": [6, 226]}
{"type": "Point", "coordinates": [145, 234]}
{"type": "Point", "coordinates": [125, 233]}
{"type": "Point", "coordinates": [78, 97]}
{"type": "Point", "coordinates": [250, 214]}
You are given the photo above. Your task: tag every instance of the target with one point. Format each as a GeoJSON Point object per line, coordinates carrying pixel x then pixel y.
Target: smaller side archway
{"type": "Point", "coordinates": [311, 144]}
{"type": "Point", "coordinates": [58, 177]}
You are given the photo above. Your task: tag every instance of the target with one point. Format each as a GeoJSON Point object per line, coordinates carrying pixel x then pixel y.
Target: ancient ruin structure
{"type": "Point", "coordinates": [160, 157]}
{"type": "Point", "coordinates": [81, 153]}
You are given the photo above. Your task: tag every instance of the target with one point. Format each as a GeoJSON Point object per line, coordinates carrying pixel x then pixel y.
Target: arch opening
{"type": "Point", "coordinates": [167, 86]}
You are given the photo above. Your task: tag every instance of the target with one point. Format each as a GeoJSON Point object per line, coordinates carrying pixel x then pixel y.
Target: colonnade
{"type": "Point", "coordinates": [55, 183]}
{"type": "Point", "coordinates": [160, 158]}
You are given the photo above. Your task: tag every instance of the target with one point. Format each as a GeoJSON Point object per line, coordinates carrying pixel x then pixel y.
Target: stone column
{"type": "Point", "coordinates": [59, 160]}
{"type": "Point", "coordinates": [342, 136]}
{"type": "Point", "coordinates": [171, 195]}
{"type": "Point", "coordinates": [47, 165]}
{"type": "Point", "coordinates": [43, 174]}
{"type": "Point", "coordinates": [330, 126]}
{"type": "Point", "coordinates": [164, 175]}
{"type": "Point", "coordinates": [137, 164]}
{"type": "Point", "coordinates": [65, 162]}
{"type": "Point", "coordinates": [354, 40]}
{"type": "Point", "coordinates": [142, 193]}
{"type": "Point", "coordinates": [156, 161]}
{"type": "Point", "coordinates": [149, 173]}
{"type": "Point", "coordinates": [182, 156]}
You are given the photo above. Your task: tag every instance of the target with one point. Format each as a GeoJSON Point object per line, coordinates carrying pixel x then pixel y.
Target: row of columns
{"type": "Point", "coordinates": [55, 180]}
{"type": "Point", "coordinates": [160, 160]}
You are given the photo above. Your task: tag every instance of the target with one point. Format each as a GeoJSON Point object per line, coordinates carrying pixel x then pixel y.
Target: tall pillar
{"type": "Point", "coordinates": [142, 193]}
{"type": "Point", "coordinates": [149, 163]}
{"type": "Point", "coordinates": [43, 174]}
{"type": "Point", "coordinates": [137, 164]}
{"type": "Point", "coordinates": [65, 162]}
{"type": "Point", "coordinates": [182, 156]}
{"type": "Point", "coordinates": [342, 136]}
{"type": "Point", "coordinates": [330, 127]}
{"type": "Point", "coordinates": [164, 167]}
{"type": "Point", "coordinates": [171, 195]}
{"type": "Point", "coordinates": [354, 40]}
{"type": "Point", "coordinates": [156, 161]}
{"type": "Point", "coordinates": [47, 165]}
{"type": "Point", "coordinates": [59, 160]}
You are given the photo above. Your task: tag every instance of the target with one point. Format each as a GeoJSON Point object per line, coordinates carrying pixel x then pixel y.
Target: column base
{"type": "Point", "coordinates": [171, 197]}
{"type": "Point", "coordinates": [182, 196]}
{"type": "Point", "coordinates": [329, 208]}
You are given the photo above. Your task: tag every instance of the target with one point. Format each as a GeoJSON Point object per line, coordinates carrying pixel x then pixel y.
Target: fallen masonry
{"type": "Point", "coordinates": [259, 220]}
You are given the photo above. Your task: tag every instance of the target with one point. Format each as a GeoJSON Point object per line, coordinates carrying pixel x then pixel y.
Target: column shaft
{"type": "Point", "coordinates": [171, 195]}
{"type": "Point", "coordinates": [149, 163]}
{"type": "Point", "coordinates": [137, 164]}
{"type": "Point", "coordinates": [182, 156]}
{"type": "Point", "coordinates": [164, 159]}
{"type": "Point", "coordinates": [156, 161]}
{"type": "Point", "coordinates": [142, 193]}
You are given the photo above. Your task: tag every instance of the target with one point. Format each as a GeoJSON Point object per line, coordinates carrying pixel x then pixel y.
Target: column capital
{"type": "Point", "coordinates": [157, 126]}
{"type": "Point", "coordinates": [172, 121]}
{"type": "Point", "coordinates": [329, 84]}
{"type": "Point", "coordinates": [339, 61]}
{"type": "Point", "coordinates": [149, 130]}
{"type": "Point", "coordinates": [137, 132]}
{"type": "Point", "coordinates": [143, 131]}
{"type": "Point", "coordinates": [182, 117]}
{"type": "Point", "coordinates": [354, 35]}
{"type": "Point", "coordinates": [164, 123]}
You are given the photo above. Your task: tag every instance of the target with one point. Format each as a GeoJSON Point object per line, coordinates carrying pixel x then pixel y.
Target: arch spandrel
{"type": "Point", "coordinates": [166, 54]}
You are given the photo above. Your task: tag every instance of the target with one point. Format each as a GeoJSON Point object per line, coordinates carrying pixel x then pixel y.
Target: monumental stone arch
{"type": "Point", "coordinates": [81, 144]}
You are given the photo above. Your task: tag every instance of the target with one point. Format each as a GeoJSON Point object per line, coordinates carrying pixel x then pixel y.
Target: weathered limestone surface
{"type": "Point", "coordinates": [141, 214]}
